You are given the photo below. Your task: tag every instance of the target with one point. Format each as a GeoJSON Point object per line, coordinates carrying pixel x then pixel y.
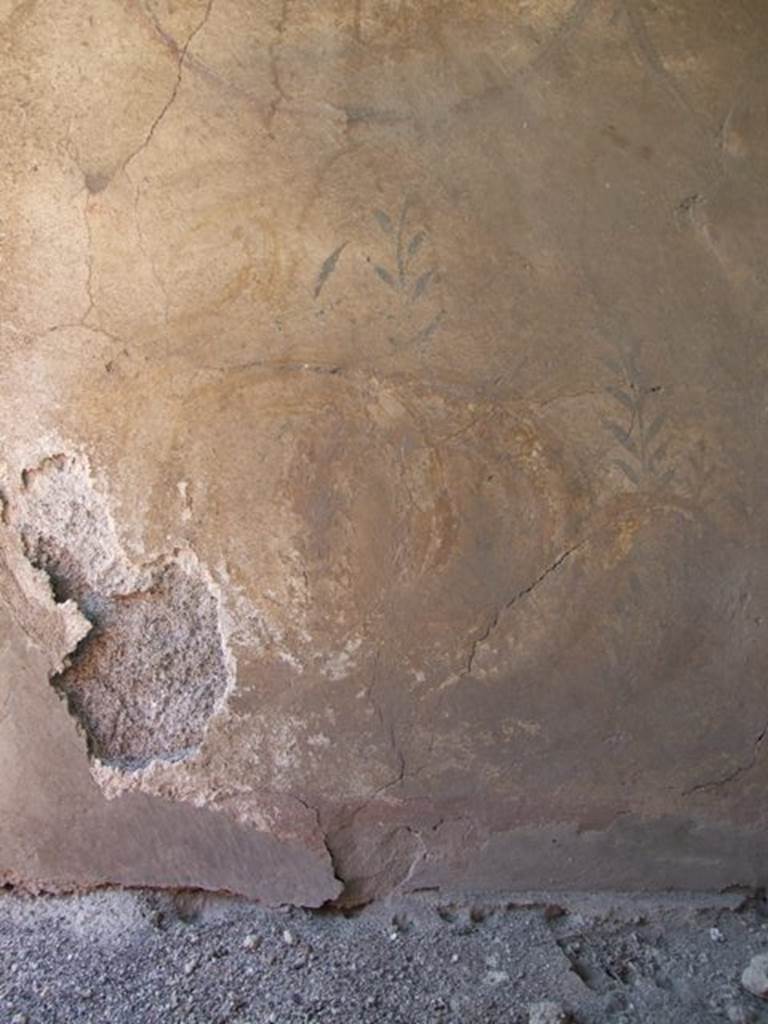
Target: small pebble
{"type": "Point", "coordinates": [191, 965]}
{"type": "Point", "coordinates": [716, 935]}
{"type": "Point", "coordinates": [739, 1015]}
{"type": "Point", "coordinates": [496, 977]}
{"type": "Point", "coordinates": [251, 941]}
{"type": "Point", "coordinates": [546, 1013]}
{"type": "Point", "coordinates": [755, 976]}
{"type": "Point", "coordinates": [288, 937]}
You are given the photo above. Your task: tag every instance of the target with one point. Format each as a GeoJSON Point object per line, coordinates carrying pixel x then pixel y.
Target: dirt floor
{"type": "Point", "coordinates": [117, 957]}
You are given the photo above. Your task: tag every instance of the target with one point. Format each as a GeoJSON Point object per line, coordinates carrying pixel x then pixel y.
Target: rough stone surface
{"type": "Point", "coordinates": [755, 976]}
{"type": "Point", "coordinates": [149, 673]}
{"type": "Point", "coordinates": [382, 445]}
{"type": "Point", "coordinates": [546, 1013]}
{"type": "Point", "coordinates": [121, 958]}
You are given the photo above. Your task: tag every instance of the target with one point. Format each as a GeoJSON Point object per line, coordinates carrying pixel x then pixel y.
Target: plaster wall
{"type": "Point", "coordinates": [383, 445]}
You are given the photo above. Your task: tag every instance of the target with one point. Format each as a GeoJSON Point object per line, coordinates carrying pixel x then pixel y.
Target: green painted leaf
{"type": "Point", "coordinates": [658, 455]}
{"type": "Point", "coordinates": [426, 333]}
{"type": "Point", "coordinates": [627, 470]}
{"type": "Point", "coordinates": [328, 267]}
{"type": "Point", "coordinates": [422, 283]}
{"type": "Point", "coordinates": [655, 427]}
{"type": "Point", "coordinates": [623, 397]}
{"type": "Point", "coordinates": [415, 243]}
{"type": "Point", "coordinates": [385, 276]}
{"type": "Point", "coordinates": [624, 439]}
{"type": "Point", "coordinates": [384, 222]}
{"type": "Point", "coordinates": [612, 364]}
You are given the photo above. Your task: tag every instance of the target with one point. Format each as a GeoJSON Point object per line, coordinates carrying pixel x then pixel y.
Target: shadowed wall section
{"type": "Point", "coordinates": [382, 445]}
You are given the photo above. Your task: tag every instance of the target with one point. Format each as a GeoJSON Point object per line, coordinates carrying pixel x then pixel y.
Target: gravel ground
{"type": "Point", "coordinates": [121, 957]}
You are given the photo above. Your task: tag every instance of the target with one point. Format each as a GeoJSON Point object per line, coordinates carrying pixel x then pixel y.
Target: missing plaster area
{"type": "Point", "coordinates": [148, 676]}
{"type": "Point", "coordinates": [152, 670]}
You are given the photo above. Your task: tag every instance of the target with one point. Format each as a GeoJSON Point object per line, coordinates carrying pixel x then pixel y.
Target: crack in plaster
{"type": "Point", "coordinates": [329, 369]}
{"type": "Point", "coordinates": [174, 92]}
{"type": "Point", "coordinates": [323, 835]}
{"type": "Point", "coordinates": [649, 55]}
{"type": "Point", "coordinates": [480, 640]}
{"type": "Point", "coordinates": [388, 729]}
{"type": "Point", "coordinates": [145, 143]}
{"type": "Point", "coordinates": [274, 71]}
{"type": "Point", "coordinates": [151, 262]}
{"type": "Point", "coordinates": [736, 772]}
{"type": "Point", "coordinates": [89, 267]}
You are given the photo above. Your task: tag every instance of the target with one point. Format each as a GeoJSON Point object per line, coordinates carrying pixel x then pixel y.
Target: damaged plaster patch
{"type": "Point", "coordinates": [373, 862]}
{"type": "Point", "coordinates": [148, 676]}
{"type": "Point", "coordinates": [153, 667]}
